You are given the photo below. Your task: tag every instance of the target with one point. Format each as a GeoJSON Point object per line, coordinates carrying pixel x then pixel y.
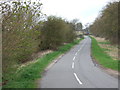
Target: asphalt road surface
{"type": "Point", "coordinates": [77, 70]}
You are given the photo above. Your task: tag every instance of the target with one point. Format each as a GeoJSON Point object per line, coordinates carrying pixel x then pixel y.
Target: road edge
{"type": "Point", "coordinates": [109, 71]}
{"type": "Point", "coordinates": [51, 64]}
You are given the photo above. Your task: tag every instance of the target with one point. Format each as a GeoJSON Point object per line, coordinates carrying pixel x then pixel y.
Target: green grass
{"type": "Point", "coordinates": [104, 49]}
{"type": "Point", "coordinates": [27, 76]}
{"type": "Point", "coordinates": [104, 42]}
{"type": "Point", "coordinates": [104, 59]}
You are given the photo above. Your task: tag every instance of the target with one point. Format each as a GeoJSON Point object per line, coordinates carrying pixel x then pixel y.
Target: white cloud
{"type": "Point", "coordinates": [85, 10]}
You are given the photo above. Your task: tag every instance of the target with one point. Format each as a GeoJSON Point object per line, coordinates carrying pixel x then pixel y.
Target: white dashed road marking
{"type": "Point", "coordinates": [73, 65]}
{"type": "Point", "coordinates": [77, 78]}
{"type": "Point", "coordinates": [73, 58]}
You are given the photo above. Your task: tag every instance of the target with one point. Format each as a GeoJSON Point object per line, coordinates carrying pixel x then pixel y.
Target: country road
{"type": "Point", "coordinates": [77, 70]}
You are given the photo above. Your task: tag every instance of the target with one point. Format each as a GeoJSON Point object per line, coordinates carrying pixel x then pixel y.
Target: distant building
{"type": "Point", "coordinates": [79, 32]}
{"type": "Point", "coordinates": [86, 31]}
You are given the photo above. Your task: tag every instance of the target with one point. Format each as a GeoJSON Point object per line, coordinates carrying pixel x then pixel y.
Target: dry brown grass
{"type": "Point", "coordinates": [111, 50]}
{"type": "Point", "coordinates": [35, 57]}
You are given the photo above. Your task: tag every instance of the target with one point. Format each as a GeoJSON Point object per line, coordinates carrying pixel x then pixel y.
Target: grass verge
{"type": "Point", "coordinates": [26, 77]}
{"type": "Point", "coordinates": [104, 59]}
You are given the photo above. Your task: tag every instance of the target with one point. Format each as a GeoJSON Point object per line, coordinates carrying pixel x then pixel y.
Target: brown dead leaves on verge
{"type": "Point", "coordinates": [35, 57]}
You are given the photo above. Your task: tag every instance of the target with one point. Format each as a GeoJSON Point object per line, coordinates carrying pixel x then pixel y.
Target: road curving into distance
{"type": "Point", "coordinates": [77, 70]}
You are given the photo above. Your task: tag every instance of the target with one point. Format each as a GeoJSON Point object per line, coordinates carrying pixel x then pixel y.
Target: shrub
{"type": "Point", "coordinates": [19, 35]}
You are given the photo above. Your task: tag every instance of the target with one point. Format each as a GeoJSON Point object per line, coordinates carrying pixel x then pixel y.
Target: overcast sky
{"type": "Point", "coordinates": [84, 10]}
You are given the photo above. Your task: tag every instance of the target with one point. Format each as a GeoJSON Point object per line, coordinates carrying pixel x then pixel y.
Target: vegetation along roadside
{"type": "Point", "coordinates": [26, 31]}
{"type": "Point", "coordinates": [103, 58]}
{"type": "Point", "coordinates": [26, 77]}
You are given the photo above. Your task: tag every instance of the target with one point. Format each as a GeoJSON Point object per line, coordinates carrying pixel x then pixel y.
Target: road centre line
{"type": "Point", "coordinates": [77, 78]}
{"type": "Point", "coordinates": [82, 46]}
{"type": "Point", "coordinates": [73, 58]}
{"type": "Point", "coordinates": [76, 53]}
{"type": "Point", "coordinates": [73, 65]}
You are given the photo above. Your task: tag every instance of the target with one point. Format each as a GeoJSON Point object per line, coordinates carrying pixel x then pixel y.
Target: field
{"type": "Point", "coordinates": [102, 57]}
